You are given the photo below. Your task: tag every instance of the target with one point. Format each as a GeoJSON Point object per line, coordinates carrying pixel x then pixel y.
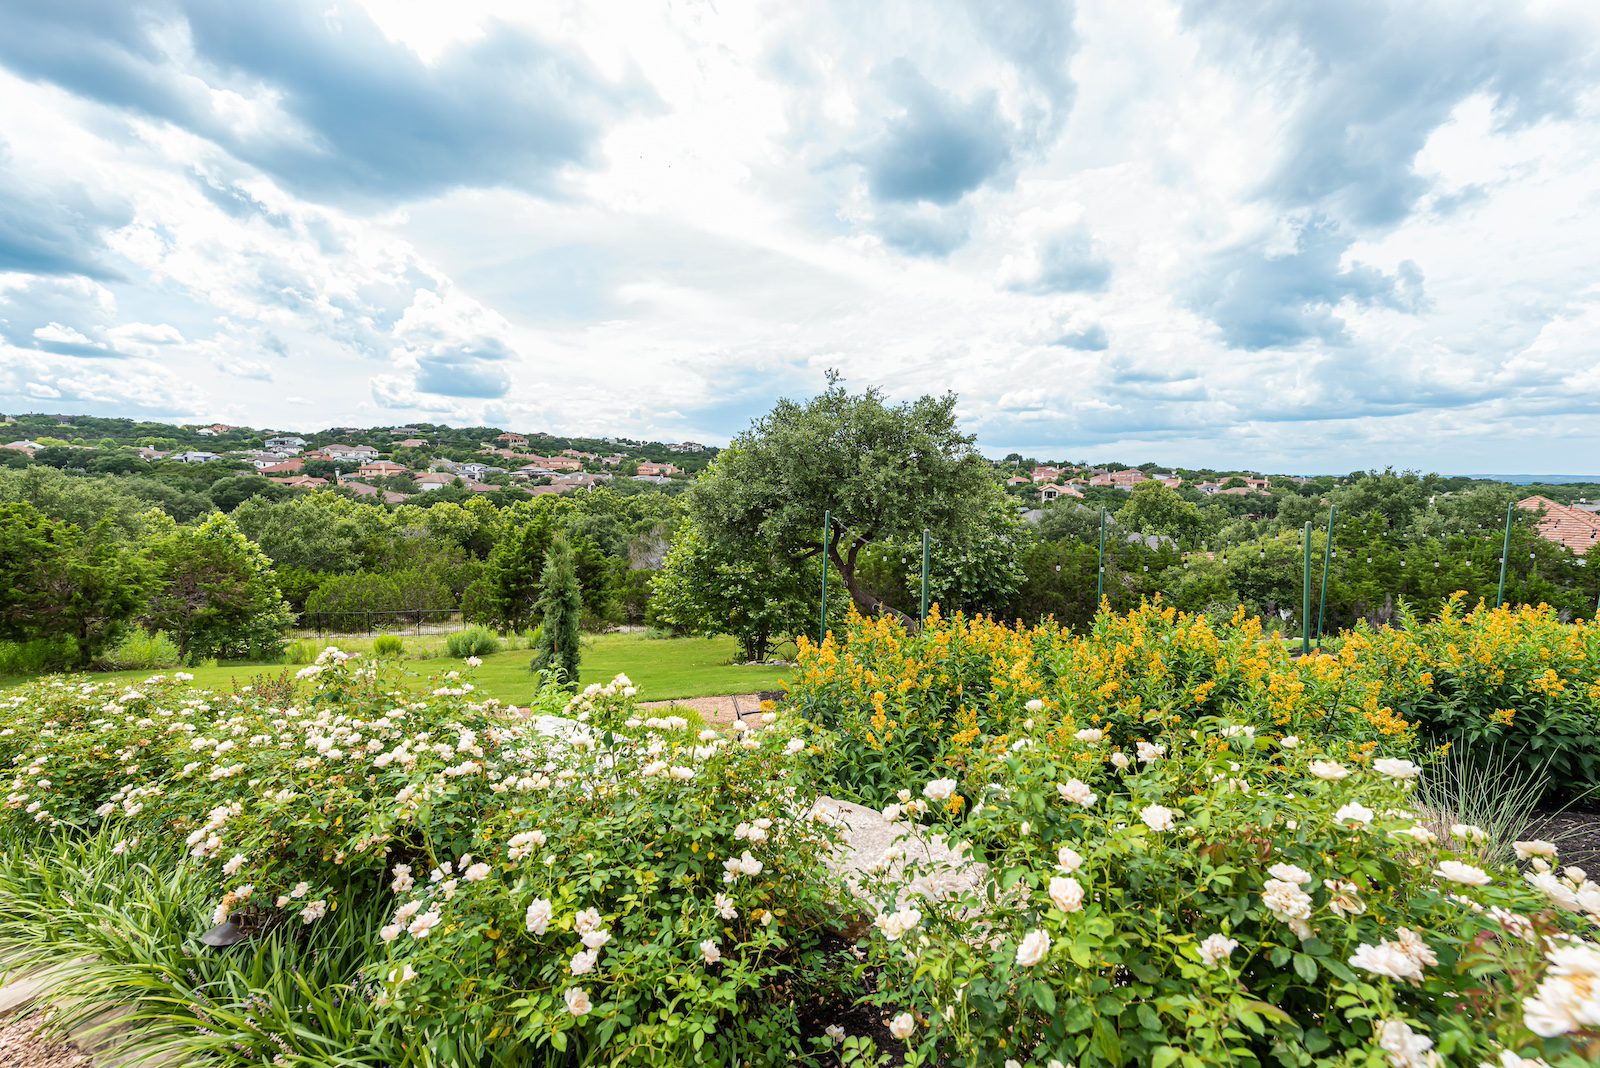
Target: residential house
{"type": "Point", "coordinates": [1210, 489]}
{"type": "Point", "coordinates": [301, 481]}
{"type": "Point", "coordinates": [576, 455]}
{"type": "Point", "coordinates": [561, 463]}
{"type": "Point", "coordinates": [687, 446]}
{"type": "Point", "coordinates": [284, 467]}
{"type": "Point", "coordinates": [147, 453]}
{"type": "Point", "coordinates": [648, 468]}
{"type": "Point", "coordinates": [26, 445]}
{"type": "Point", "coordinates": [434, 480]}
{"type": "Point", "coordinates": [514, 440]}
{"type": "Point", "coordinates": [1262, 484]}
{"type": "Point", "coordinates": [1018, 480]}
{"type": "Point", "coordinates": [403, 432]}
{"type": "Point", "coordinates": [196, 457]}
{"type": "Point", "coordinates": [362, 489]}
{"type": "Point", "coordinates": [284, 441]}
{"type": "Point", "coordinates": [351, 452]}
{"type": "Point", "coordinates": [412, 443]}
{"type": "Point", "coordinates": [380, 469]}
{"type": "Point", "coordinates": [1046, 474]}
{"type": "Point", "coordinates": [1563, 524]}
{"type": "Point", "coordinates": [612, 461]}
{"type": "Point", "coordinates": [1050, 491]}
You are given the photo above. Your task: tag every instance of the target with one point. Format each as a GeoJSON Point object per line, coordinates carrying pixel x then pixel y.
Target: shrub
{"type": "Point", "coordinates": [474, 640]}
{"type": "Point", "coordinates": [37, 656]}
{"type": "Point", "coordinates": [912, 706]}
{"type": "Point", "coordinates": [388, 646]}
{"type": "Point", "coordinates": [1231, 898]}
{"type": "Point", "coordinates": [301, 651]}
{"type": "Point", "coordinates": [140, 649]}
{"type": "Point", "coordinates": [594, 896]}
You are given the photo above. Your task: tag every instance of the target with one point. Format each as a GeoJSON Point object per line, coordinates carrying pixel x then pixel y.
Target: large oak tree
{"type": "Point", "coordinates": [883, 472]}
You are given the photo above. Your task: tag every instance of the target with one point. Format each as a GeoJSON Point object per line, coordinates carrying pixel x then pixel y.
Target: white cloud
{"type": "Point", "coordinates": [1087, 220]}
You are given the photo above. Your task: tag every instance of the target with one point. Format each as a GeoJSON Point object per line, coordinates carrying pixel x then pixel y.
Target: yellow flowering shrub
{"type": "Point", "coordinates": [902, 706]}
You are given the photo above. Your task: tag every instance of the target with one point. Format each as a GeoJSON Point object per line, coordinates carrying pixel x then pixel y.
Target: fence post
{"type": "Point", "coordinates": [1100, 566]}
{"type": "Point", "coordinates": [1305, 597]}
{"type": "Point", "coordinates": [1505, 557]}
{"type": "Point", "coordinates": [924, 617]}
{"type": "Point", "coordinates": [1327, 554]}
{"type": "Point", "coordinates": [827, 528]}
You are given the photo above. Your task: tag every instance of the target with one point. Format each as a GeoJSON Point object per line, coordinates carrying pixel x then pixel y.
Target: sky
{"type": "Point", "coordinates": [1270, 234]}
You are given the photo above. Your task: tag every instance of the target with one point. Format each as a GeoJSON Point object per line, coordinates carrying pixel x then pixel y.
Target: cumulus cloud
{"type": "Point", "coordinates": [319, 97]}
{"type": "Point", "coordinates": [1263, 297]}
{"type": "Point", "coordinates": [1317, 236]}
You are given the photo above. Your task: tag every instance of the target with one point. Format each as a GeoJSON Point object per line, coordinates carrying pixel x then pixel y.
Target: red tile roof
{"type": "Point", "coordinates": [1573, 527]}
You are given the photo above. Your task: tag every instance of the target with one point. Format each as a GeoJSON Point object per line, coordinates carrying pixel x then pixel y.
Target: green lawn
{"type": "Point", "coordinates": [663, 668]}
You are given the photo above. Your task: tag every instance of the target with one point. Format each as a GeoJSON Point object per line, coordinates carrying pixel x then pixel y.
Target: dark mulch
{"type": "Point", "coordinates": [838, 1005]}
{"type": "Point", "coordinates": [1575, 831]}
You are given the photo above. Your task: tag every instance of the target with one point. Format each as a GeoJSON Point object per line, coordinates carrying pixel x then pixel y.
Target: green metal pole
{"type": "Point", "coordinates": [1505, 557]}
{"type": "Point", "coordinates": [827, 528]}
{"type": "Point", "coordinates": [1327, 554]}
{"type": "Point", "coordinates": [1305, 597]}
{"type": "Point", "coordinates": [1100, 568]}
{"type": "Point", "coordinates": [924, 616]}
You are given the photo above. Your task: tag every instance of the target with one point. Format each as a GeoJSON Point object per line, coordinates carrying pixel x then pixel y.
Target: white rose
{"type": "Point", "coordinates": [1077, 792]}
{"type": "Point", "coordinates": [1032, 950]}
{"type": "Point", "coordinates": [578, 1001]}
{"type": "Point", "coordinates": [1216, 948]}
{"type": "Point", "coordinates": [1396, 769]}
{"type": "Point", "coordinates": [939, 789]}
{"type": "Point", "coordinates": [1067, 893]}
{"type": "Point", "coordinates": [902, 1026]}
{"type": "Point", "coordinates": [1158, 817]}
{"type": "Point", "coordinates": [1466, 874]}
{"type": "Point", "coordinates": [538, 916]}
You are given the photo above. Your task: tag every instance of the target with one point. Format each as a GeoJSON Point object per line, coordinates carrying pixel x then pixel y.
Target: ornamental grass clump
{"type": "Point", "coordinates": [563, 884]}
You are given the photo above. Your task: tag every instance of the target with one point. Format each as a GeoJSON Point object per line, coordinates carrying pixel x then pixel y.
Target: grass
{"type": "Point", "coordinates": [664, 669]}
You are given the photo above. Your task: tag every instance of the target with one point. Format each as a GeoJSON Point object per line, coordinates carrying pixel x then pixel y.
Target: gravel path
{"type": "Point", "coordinates": [20, 1047]}
{"type": "Point", "coordinates": [715, 709]}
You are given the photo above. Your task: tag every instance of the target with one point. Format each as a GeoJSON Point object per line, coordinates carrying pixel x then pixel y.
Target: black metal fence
{"type": "Point", "coordinates": [364, 621]}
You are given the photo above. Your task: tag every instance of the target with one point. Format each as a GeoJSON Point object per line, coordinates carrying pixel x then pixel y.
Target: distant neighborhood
{"type": "Point", "coordinates": [403, 463]}
{"type": "Point", "coordinates": [391, 463]}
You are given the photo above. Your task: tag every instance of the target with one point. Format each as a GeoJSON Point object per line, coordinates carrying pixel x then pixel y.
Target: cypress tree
{"type": "Point", "coordinates": [561, 604]}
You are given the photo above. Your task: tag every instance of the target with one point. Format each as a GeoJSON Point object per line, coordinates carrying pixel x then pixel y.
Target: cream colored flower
{"type": "Point", "coordinates": [1396, 769]}
{"type": "Point", "coordinates": [1067, 893]}
{"type": "Point", "coordinates": [1328, 770]}
{"type": "Point", "coordinates": [1158, 817]}
{"type": "Point", "coordinates": [1466, 874]}
{"type": "Point", "coordinates": [1289, 873]}
{"type": "Point", "coordinates": [1033, 948]}
{"type": "Point", "coordinates": [895, 925]}
{"type": "Point", "coordinates": [710, 952]}
{"type": "Point", "coordinates": [1537, 847]}
{"type": "Point", "coordinates": [1406, 1048]}
{"type": "Point", "coordinates": [1068, 859]}
{"type": "Point", "coordinates": [1354, 813]}
{"type": "Point", "coordinates": [1343, 898]}
{"type": "Point", "coordinates": [537, 918]}
{"type": "Point", "coordinates": [1216, 948]}
{"type": "Point", "coordinates": [902, 1026]}
{"type": "Point", "coordinates": [939, 789]}
{"type": "Point", "coordinates": [1090, 735]}
{"type": "Point", "coordinates": [577, 1000]}
{"type": "Point", "coordinates": [1076, 791]}
{"type": "Point", "coordinates": [1386, 959]}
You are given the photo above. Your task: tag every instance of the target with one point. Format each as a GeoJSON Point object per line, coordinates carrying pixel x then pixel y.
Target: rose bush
{"type": "Point", "coordinates": [1231, 898]}
{"type": "Point", "coordinates": [615, 890]}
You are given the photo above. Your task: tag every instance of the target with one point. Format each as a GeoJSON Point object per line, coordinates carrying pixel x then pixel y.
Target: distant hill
{"type": "Point", "coordinates": [1537, 480]}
